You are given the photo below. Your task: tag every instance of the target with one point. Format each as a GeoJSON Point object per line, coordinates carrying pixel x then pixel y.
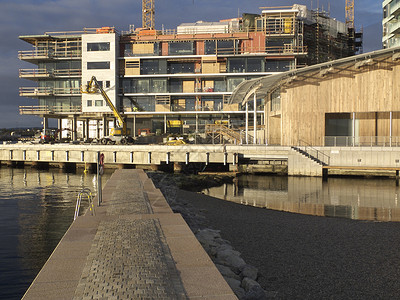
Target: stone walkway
{"type": "Point", "coordinates": [134, 248]}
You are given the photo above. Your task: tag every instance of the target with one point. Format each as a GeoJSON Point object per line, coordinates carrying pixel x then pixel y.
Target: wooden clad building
{"type": "Point", "coordinates": [346, 102]}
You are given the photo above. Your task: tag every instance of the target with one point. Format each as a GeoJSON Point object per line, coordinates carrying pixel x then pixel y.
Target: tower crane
{"type": "Point", "coordinates": [148, 19]}
{"type": "Point", "coordinates": [350, 13]}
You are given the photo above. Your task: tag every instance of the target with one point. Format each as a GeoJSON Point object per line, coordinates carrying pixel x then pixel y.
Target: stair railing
{"type": "Point", "coordinates": [312, 152]}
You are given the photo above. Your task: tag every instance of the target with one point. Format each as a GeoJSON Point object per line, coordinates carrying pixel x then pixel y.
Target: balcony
{"type": "Point", "coordinates": [394, 28]}
{"type": "Point", "coordinates": [43, 73]}
{"type": "Point", "coordinates": [48, 54]}
{"type": "Point", "coordinates": [286, 49]}
{"type": "Point", "coordinates": [45, 110]}
{"type": "Point", "coordinates": [33, 73]}
{"type": "Point", "coordinates": [47, 91]}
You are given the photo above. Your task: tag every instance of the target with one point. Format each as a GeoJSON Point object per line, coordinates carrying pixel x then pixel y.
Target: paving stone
{"type": "Point", "coordinates": [129, 259]}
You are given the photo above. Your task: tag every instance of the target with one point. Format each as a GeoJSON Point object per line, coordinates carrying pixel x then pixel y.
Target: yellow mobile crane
{"type": "Point", "coordinates": [119, 134]}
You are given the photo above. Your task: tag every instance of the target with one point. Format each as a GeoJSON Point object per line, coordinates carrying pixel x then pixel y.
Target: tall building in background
{"type": "Point", "coordinates": [179, 80]}
{"type": "Point", "coordinates": [391, 23]}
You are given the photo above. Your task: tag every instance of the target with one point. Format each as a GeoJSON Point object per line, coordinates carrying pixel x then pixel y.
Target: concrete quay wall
{"type": "Point", "coordinates": [137, 154]}
{"type": "Point", "coordinates": [134, 247]}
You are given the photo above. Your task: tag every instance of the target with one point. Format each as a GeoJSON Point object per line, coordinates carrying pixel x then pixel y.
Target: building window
{"type": "Point", "coordinates": [98, 103]}
{"type": "Point", "coordinates": [181, 48]}
{"type": "Point", "coordinates": [209, 47]}
{"type": "Point", "coordinates": [149, 66]}
{"type": "Point", "coordinates": [98, 65]}
{"type": "Point", "coordinates": [236, 65]}
{"type": "Point", "coordinates": [255, 65]}
{"type": "Point", "coordinates": [232, 83]}
{"type": "Point", "coordinates": [176, 67]}
{"type": "Point", "coordinates": [219, 85]}
{"type": "Point", "coordinates": [276, 100]}
{"type": "Point", "coordinates": [159, 85]}
{"type": "Point", "coordinates": [175, 86]}
{"type": "Point", "coordinates": [89, 103]}
{"type": "Point", "coordinates": [277, 65]}
{"type": "Point", "coordinates": [98, 46]}
{"type": "Point", "coordinates": [108, 84]}
{"type": "Point", "coordinates": [226, 47]}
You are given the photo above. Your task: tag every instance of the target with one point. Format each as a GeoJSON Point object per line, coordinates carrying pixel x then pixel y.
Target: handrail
{"type": "Point", "coordinates": [362, 141]}
{"type": "Point", "coordinates": [319, 154]}
{"type": "Point", "coordinates": [87, 192]}
{"type": "Point", "coordinates": [45, 109]}
{"type": "Point", "coordinates": [48, 91]}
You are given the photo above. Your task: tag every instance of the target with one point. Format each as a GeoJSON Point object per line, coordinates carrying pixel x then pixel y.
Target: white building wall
{"type": "Point", "coordinates": [391, 23]}
{"type": "Point", "coordinates": [103, 75]}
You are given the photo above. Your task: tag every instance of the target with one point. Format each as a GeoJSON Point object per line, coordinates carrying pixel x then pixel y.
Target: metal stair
{"type": "Point", "coordinates": [313, 154]}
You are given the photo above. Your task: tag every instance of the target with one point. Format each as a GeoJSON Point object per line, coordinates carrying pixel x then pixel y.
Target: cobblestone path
{"type": "Point", "coordinates": [129, 258]}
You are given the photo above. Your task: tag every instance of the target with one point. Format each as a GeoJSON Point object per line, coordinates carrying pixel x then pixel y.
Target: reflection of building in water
{"type": "Point", "coordinates": [364, 199]}
{"type": "Point", "coordinates": [44, 203]}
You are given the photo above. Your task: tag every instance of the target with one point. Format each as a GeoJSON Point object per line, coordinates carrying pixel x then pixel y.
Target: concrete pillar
{"type": "Point", "coordinates": [165, 123]}
{"type": "Point", "coordinates": [134, 125]}
{"type": "Point", "coordinates": [247, 122]}
{"type": "Point", "coordinates": [255, 119]}
{"type": "Point", "coordinates": [391, 128]}
{"type": "Point", "coordinates": [354, 129]}
{"type": "Point", "coordinates": [105, 126]}
{"type": "Point", "coordinates": [87, 129]}
{"type": "Point", "coordinates": [97, 129]}
{"type": "Point", "coordinates": [74, 129]}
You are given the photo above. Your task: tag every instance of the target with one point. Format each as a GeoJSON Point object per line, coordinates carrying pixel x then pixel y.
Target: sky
{"type": "Point", "coordinates": [24, 17]}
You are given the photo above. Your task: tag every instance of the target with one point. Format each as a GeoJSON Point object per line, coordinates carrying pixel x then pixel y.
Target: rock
{"type": "Point", "coordinates": [249, 271]}
{"type": "Point", "coordinates": [224, 247]}
{"type": "Point", "coordinates": [208, 234]}
{"type": "Point", "coordinates": [255, 293]}
{"type": "Point", "coordinates": [230, 258]}
{"type": "Point", "coordinates": [235, 286]}
{"type": "Point", "coordinates": [206, 237]}
{"type": "Point", "coordinates": [227, 272]}
{"type": "Point", "coordinates": [248, 284]}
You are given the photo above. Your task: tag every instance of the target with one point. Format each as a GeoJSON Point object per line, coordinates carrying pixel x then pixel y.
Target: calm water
{"type": "Point", "coordinates": [362, 199]}
{"type": "Point", "coordinates": [36, 209]}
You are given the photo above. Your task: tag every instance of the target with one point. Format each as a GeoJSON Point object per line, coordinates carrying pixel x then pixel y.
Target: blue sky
{"type": "Point", "coordinates": [24, 17]}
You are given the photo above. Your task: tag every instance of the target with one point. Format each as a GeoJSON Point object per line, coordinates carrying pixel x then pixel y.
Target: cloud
{"type": "Point", "coordinates": [24, 17]}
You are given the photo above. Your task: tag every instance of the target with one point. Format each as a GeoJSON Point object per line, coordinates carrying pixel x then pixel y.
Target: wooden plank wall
{"type": "Point", "coordinates": [372, 90]}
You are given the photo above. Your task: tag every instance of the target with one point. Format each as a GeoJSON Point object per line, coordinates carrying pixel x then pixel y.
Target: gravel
{"type": "Point", "coordinates": [308, 257]}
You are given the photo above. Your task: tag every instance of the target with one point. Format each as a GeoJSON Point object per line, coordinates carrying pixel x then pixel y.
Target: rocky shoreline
{"type": "Point", "coordinates": [240, 276]}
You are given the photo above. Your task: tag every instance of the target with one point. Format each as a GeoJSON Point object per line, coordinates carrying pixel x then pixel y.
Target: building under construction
{"type": "Point", "coordinates": [181, 80]}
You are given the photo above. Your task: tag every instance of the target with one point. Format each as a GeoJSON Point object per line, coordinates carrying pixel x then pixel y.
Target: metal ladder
{"type": "Point", "coordinates": [84, 192]}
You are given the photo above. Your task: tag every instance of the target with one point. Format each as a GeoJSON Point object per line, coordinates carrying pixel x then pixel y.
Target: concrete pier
{"type": "Point", "coordinates": [134, 247]}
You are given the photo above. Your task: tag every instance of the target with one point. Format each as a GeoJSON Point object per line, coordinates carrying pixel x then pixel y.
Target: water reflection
{"type": "Point", "coordinates": [361, 199]}
{"type": "Point", "coordinates": [36, 209]}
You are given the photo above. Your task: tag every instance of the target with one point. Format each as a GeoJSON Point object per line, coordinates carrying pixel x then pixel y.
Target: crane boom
{"type": "Point", "coordinates": [92, 88]}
